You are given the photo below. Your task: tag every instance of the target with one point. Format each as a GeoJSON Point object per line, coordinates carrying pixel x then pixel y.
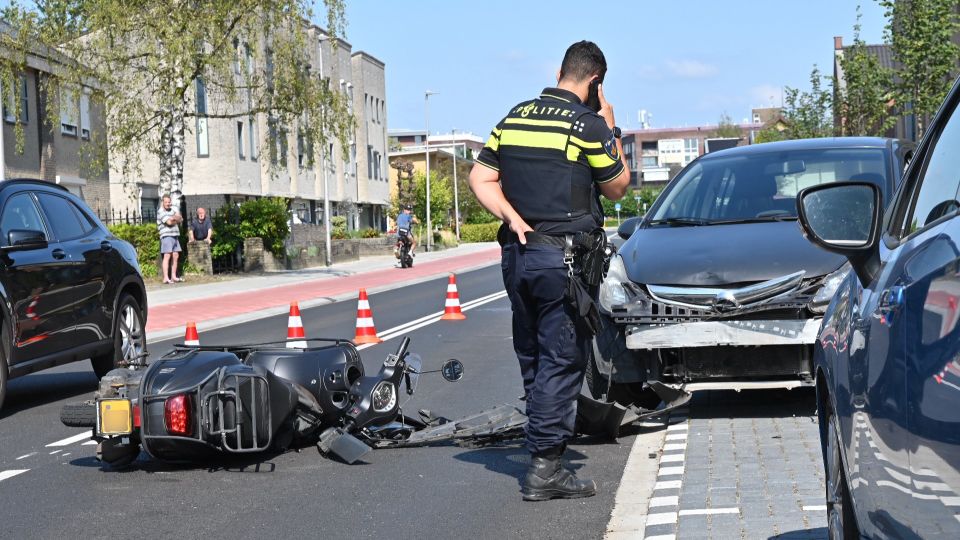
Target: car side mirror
{"type": "Point", "coordinates": [628, 227]}
{"type": "Point", "coordinates": [24, 239]}
{"type": "Point", "coordinates": [844, 218]}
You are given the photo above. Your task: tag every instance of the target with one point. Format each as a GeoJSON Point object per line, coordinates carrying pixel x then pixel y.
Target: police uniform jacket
{"type": "Point", "coordinates": [551, 153]}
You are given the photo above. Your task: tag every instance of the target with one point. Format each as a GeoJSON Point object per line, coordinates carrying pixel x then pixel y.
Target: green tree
{"type": "Point", "coordinates": [441, 198]}
{"type": "Point", "coordinates": [149, 62]}
{"type": "Point", "coordinates": [862, 102]}
{"type": "Point", "coordinates": [808, 114]}
{"type": "Point", "coordinates": [920, 33]}
{"type": "Point", "coordinates": [726, 129]}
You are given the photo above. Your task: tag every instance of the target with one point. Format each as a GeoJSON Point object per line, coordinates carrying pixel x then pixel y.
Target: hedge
{"type": "Point", "coordinates": [146, 241]}
{"type": "Point", "coordinates": [482, 232]}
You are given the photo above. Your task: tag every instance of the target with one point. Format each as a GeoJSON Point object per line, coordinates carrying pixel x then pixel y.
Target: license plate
{"type": "Point", "coordinates": [115, 417]}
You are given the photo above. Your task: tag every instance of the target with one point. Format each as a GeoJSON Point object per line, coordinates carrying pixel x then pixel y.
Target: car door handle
{"type": "Point", "coordinates": [58, 253]}
{"type": "Point", "coordinates": [890, 300]}
{"type": "Point", "coordinates": [106, 246]}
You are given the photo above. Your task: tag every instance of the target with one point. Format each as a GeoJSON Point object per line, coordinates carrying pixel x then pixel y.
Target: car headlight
{"type": "Point", "coordinates": [829, 288]}
{"type": "Point", "coordinates": [384, 396]}
{"type": "Point", "coordinates": [612, 291]}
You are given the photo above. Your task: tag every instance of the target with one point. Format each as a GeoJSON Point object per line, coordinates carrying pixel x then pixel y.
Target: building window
{"type": "Point", "coordinates": [11, 100]}
{"type": "Point", "coordinates": [691, 146]}
{"type": "Point", "coordinates": [240, 139]}
{"type": "Point", "coordinates": [254, 137]}
{"type": "Point", "coordinates": [203, 142]}
{"type": "Point", "coordinates": [68, 111]}
{"type": "Point", "coordinates": [237, 53]}
{"type": "Point", "coordinates": [85, 114]}
{"type": "Point", "coordinates": [369, 161]}
{"type": "Point", "coordinates": [649, 161]}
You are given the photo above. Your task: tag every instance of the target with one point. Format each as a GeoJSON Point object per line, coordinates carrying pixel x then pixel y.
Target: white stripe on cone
{"type": "Point", "coordinates": [295, 322]}
{"type": "Point", "coordinates": [451, 302]}
{"type": "Point", "coordinates": [363, 304]}
{"type": "Point", "coordinates": [451, 288]}
{"type": "Point", "coordinates": [365, 322]}
{"type": "Point", "coordinates": [296, 344]}
{"type": "Point", "coordinates": [192, 343]}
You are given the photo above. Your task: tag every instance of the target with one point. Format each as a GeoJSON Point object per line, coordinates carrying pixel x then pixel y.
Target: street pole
{"type": "Point", "coordinates": [426, 116]}
{"type": "Point", "coordinates": [326, 186]}
{"type": "Point", "coordinates": [456, 198]}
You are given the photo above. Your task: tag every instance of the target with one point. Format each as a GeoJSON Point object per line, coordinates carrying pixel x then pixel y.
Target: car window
{"type": "Point", "coordinates": [765, 184]}
{"type": "Point", "coordinates": [62, 217]}
{"type": "Point", "coordinates": [20, 213]}
{"type": "Point", "coordinates": [936, 195]}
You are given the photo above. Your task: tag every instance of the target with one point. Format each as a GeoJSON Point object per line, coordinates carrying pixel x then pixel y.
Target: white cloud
{"type": "Point", "coordinates": [766, 95]}
{"type": "Point", "coordinates": [691, 69]}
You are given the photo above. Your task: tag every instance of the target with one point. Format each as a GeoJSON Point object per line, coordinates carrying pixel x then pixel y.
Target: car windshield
{"type": "Point", "coordinates": [763, 186]}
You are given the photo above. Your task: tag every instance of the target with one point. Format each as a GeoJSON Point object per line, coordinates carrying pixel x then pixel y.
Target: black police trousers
{"type": "Point", "coordinates": [549, 346]}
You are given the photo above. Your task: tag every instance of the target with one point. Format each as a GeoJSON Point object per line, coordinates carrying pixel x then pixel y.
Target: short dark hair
{"type": "Point", "coordinates": [583, 60]}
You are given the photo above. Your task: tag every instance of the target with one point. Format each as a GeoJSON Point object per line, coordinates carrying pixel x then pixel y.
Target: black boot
{"type": "Point", "coordinates": [548, 479]}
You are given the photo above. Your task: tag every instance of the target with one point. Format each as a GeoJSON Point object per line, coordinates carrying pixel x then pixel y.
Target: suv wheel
{"type": "Point", "coordinates": [841, 521]}
{"type": "Point", "coordinates": [129, 338]}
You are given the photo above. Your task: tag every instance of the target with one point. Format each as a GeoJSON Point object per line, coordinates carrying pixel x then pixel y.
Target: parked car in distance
{"type": "Point", "coordinates": [887, 360]}
{"type": "Point", "coordinates": [70, 290]}
{"type": "Point", "coordinates": [716, 284]}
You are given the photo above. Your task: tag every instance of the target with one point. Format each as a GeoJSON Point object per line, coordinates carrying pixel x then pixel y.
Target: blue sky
{"type": "Point", "coordinates": [684, 62]}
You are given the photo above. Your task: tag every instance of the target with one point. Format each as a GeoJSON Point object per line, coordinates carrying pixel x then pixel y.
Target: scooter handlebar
{"type": "Point", "coordinates": [402, 349]}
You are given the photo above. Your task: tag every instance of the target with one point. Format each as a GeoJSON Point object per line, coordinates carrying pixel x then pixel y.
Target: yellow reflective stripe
{"type": "Point", "coordinates": [573, 152]}
{"type": "Point", "coordinates": [493, 143]}
{"type": "Point", "coordinates": [534, 122]}
{"type": "Point", "coordinates": [496, 131]}
{"type": "Point", "coordinates": [600, 161]}
{"type": "Point", "coordinates": [584, 144]}
{"type": "Point", "coordinates": [555, 97]}
{"type": "Point", "coordinates": [533, 139]}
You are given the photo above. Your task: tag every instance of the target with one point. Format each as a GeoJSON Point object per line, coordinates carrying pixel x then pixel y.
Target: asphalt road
{"type": "Point", "coordinates": [439, 492]}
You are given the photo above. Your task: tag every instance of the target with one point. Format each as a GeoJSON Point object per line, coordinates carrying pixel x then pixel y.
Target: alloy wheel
{"type": "Point", "coordinates": [132, 341]}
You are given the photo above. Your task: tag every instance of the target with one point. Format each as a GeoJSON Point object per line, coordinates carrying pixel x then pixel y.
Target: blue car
{"type": "Point", "coordinates": [887, 358]}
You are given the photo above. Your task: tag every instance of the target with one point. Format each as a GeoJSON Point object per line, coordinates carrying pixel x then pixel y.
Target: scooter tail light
{"type": "Point", "coordinates": [136, 416]}
{"type": "Point", "coordinates": [178, 415]}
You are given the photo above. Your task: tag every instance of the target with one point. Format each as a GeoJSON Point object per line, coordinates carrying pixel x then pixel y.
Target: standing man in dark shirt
{"type": "Point", "coordinates": [201, 229]}
{"type": "Point", "coordinates": [542, 172]}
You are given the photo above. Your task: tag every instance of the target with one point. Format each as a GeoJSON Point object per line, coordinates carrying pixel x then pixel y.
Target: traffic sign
{"type": "Point", "coordinates": [616, 207]}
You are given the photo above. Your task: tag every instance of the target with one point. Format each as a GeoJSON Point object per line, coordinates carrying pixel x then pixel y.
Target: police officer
{"type": "Point", "coordinates": [542, 172]}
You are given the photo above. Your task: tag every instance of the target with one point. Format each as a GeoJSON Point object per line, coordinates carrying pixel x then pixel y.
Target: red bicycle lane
{"type": "Point", "coordinates": [167, 316]}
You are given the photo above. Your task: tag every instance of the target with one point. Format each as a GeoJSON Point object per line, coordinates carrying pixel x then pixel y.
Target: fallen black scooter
{"type": "Point", "coordinates": [201, 403]}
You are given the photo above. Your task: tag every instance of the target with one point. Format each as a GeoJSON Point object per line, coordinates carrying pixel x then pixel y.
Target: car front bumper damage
{"type": "Point", "coordinates": [722, 333]}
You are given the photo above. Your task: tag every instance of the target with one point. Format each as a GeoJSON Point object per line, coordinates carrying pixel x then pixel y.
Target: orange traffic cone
{"type": "Point", "coordinates": [366, 332]}
{"type": "Point", "coordinates": [295, 335]}
{"type": "Point", "coordinates": [191, 338]}
{"type": "Point", "coordinates": [451, 309]}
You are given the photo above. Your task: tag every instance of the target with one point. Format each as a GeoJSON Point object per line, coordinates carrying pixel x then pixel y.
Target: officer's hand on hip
{"type": "Point", "coordinates": [520, 228]}
{"type": "Point", "coordinates": [606, 109]}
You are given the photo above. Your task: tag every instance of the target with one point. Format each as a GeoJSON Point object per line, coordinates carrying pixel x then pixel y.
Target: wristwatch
{"type": "Point", "coordinates": [617, 132]}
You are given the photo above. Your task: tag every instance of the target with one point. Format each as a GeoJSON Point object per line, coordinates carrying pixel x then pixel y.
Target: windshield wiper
{"type": "Point", "coordinates": [762, 219]}
{"type": "Point", "coordinates": [680, 221]}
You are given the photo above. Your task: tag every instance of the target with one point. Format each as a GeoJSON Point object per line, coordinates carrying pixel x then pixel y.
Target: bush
{"type": "Point", "coordinates": [483, 232]}
{"type": "Point", "coordinates": [261, 218]}
{"type": "Point", "coordinates": [338, 225]}
{"type": "Point", "coordinates": [145, 240]}
{"type": "Point", "coordinates": [479, 217]}
{"type": "Point", "coordinates": [370, 233]}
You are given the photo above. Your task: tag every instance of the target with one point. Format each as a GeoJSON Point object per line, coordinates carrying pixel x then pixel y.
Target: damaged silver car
{"type": "Point", "coordinates": [716, 285]}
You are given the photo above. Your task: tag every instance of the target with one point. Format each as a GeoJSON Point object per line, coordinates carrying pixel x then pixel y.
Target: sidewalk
{"type": "Point", "coordinates": [213, 305]}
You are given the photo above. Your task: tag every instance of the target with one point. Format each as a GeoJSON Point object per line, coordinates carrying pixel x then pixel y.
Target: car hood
{"type": "Point", "coordinates": [723, 254]}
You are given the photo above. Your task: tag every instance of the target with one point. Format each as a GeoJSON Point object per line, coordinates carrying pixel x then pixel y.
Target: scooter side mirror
{"type": "Point", "coordinates": [452, 370]}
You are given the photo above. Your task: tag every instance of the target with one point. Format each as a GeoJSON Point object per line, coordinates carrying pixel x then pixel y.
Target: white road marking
{"type": "Point", "coordinates": [55, 452]}
{"type": "Point", "coordinates": [65, 454]}
{"type": "Point", "coordinates": [677, 427]}
{"type": "Point", "coordinates": [674, 446]}
{"type": "Point", "coordinates": [70, 440]}
{"type": "Point", "coordinates": [670, 500]}
{"type": "Point", "coordinates": [815, 508]}
{"type": "Point", "coordinates": [89, 443]}
{"type": "Point", "coordinates": [677, 437]}
{"type": "Point", "coordinates": [667, 484]}
{"type": "Point", "coordinates": [669, 471]}
{"type": "Point", "coordinates": [708, 511]}
{"type": "Point", "coordinates": [11, 473]}
{"type": "Point", "coordinates": [671, 458]}
{"type": "Point", "coordinates": [26, 456]}
{"type": "Point", "coordinates": [950, 501]}
{"type": "Point", "coordinates": [430, 319]}
{"type": "Point", "coordinates": [662, 518]}
{"type": "Point", "coordinates": [661, 537]}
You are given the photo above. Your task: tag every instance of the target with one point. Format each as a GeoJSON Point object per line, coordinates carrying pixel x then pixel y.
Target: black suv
{"type": "Point", "coordinates": [70, 290]}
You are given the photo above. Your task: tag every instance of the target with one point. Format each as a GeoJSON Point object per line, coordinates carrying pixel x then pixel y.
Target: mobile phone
{"type": "Point", "coordinates": [593, 96]}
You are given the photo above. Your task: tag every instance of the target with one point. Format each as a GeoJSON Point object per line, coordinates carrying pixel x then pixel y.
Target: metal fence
{"type": "Point", "coordinates": [117, 217]}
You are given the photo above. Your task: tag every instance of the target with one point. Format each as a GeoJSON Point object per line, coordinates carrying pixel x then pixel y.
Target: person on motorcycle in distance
{"type": "Point", "coordinates": [404, 221]}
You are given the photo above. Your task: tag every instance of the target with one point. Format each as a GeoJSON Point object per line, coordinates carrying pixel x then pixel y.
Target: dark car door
{"type": "Point", "coordinates": [930, 284]}
{"type": "Point", "coordinates": [86, 270]}
{"type": "Point", "coordinates": [914, 414]}
{"type": "Point", "coordinates": [35, 285]}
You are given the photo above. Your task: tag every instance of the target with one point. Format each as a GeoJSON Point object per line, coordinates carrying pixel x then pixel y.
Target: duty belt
{"type": "Point", "coordinates": [560, 241]}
